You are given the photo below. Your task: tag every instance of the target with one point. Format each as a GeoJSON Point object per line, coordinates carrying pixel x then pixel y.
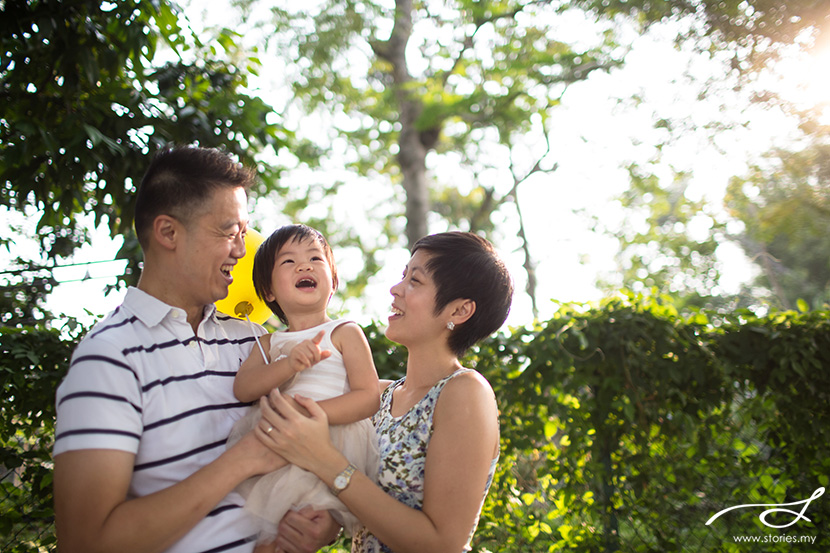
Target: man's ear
{"type": "Point", "coordinates": [166, 231]}
{"type": "Point", "coordinates": [462, 311]}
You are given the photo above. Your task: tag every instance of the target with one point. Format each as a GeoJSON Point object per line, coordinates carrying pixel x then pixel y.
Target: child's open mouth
{"type": "Point", "coordinates": [306, 283]}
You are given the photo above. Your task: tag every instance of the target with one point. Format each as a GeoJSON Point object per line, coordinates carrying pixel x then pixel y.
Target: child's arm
{"type": "Point", "coordinates": [363, 400]}
{"type": "Point", "coordinates": [256, 378]}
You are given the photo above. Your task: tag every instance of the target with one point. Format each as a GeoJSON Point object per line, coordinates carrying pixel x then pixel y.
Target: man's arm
{"type": "Point", "coordinates": [92, 512]}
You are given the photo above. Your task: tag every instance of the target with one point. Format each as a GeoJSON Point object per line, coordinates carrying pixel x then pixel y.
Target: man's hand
{"type": "Point", "coordinates": [307, 353]}
{"type": "Point", "coordinates": [305, 531]}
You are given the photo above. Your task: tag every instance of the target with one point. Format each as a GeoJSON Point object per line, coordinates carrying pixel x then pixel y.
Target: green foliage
{"type": "Point", "coordinates": [90, 89]}
{"type": "Point", "coordinates": [470, 67]}
{"type": "Point", "coordinates": [784, 205]}
{"type": "Point", "coordinates": [32, 363]}
{"type": "Point", "coordinates": [625, 427]}
{"type": "Point", "coordinates": [657, 245]}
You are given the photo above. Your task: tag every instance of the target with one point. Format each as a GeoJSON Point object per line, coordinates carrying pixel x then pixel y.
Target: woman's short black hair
{"type": "Point", "coordinates": [266, 256]}
{"type": "Point", "coordinates": [464, 265]}
{"type": "Point", "coordinates": [180, 180]}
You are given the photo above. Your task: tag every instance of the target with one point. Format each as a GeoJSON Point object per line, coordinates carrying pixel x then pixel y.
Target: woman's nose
{"type": "Point", "coordinates": [395, 290]}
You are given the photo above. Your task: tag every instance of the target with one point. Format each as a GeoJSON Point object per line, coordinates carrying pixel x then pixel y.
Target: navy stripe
{"type": "Point", "coordinates": [180, 456]}
{"type": "Point", "coordinates": [223, 341]}
{"type": "Point", "coordinates": [192, 412]}
{"type": "Point", "coordinates": [102, 396]}
{"type": "Point", "coordinates": [231, 545]}
{"type": "Point", "coordinates": [105, 359]}
{"type": "Point", "coordinates": [166, 381]}
{"type": "Point", "coordinates": [222, 509]}
{"type": "Point", "coordinates": [96, 431]}
{"type": "Point", "coordinates": [173, 343]}
{"type": "Point", "coordinates": [130, 320]}
{"type": "Point", "coordinates": [154, 347]}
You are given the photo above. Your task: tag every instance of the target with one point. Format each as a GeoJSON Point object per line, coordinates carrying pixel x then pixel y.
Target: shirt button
{"type": "Point", "coordinates": [175, 314]}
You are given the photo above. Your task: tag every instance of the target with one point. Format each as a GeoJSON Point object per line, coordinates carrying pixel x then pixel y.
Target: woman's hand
{"type": "Point", "coordinates": [301, 440]}
{"type": "Point", "coordinates": [260, 458]}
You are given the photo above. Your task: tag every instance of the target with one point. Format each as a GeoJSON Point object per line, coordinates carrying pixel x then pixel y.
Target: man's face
{"type": "Point", "coordinates": [213, 241]}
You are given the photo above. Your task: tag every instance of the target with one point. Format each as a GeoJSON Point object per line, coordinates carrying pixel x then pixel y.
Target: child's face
{"type": "Point", "coordinates": [301, 280]}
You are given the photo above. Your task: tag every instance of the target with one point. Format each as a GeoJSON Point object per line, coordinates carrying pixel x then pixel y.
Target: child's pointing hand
{"type": "Point", "coordinates": [307, 353]}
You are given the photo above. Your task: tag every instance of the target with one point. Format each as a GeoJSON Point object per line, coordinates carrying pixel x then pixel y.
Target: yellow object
{"type": "Point", "coordinates": [242, 299]}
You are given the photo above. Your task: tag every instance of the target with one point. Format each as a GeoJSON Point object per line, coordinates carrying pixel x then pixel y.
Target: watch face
{"type": "Point", "coordinates": [340, 481]}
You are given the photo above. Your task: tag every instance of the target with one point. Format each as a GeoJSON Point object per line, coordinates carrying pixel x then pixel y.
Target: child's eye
{"type": "Point", "coordinates": [284, 261]}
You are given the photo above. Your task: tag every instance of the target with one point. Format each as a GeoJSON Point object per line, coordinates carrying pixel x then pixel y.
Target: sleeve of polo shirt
{"type": "Point", "coordinates": [99, 403]}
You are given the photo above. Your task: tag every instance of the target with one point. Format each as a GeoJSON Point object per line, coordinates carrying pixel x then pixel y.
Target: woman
{"type": "Point", "coordinates": [437, 427]}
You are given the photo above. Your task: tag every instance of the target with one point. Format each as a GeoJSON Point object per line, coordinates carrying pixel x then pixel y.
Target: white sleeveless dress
{"type": "Point", "coordinates": [270, 496]}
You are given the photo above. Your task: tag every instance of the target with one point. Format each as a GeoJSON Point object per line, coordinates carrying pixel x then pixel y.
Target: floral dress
{"type": "Point", "coordinates": [403, 443]}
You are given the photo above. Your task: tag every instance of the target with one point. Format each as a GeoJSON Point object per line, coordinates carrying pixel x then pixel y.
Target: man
{"type": "Point", "coordinates": [140, 458]}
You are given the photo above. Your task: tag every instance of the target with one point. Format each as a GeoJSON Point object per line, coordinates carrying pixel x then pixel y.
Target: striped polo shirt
{"type": "Point", "coordinates": [142, 382]}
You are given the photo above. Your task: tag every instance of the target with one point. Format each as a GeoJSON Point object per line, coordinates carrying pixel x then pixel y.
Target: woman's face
{"type": "Point", "coordinates": [413, 320]}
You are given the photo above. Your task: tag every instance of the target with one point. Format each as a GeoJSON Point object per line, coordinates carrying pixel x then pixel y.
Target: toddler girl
{"type": "Point", "coordinates": [316, 357]}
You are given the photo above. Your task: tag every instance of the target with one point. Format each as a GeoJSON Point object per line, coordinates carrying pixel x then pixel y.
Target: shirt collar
{"type": "Point", "coordinates": [151, 311]}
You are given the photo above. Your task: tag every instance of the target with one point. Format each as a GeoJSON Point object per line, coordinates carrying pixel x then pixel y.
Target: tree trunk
{"type": "Point", "coordinates": [412, 152]}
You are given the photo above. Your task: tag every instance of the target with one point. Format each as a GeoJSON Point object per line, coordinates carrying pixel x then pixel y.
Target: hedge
{"type": "Point", "coordinates": [625, 427]}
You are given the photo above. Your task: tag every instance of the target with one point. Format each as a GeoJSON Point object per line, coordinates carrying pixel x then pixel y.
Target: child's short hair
{"type": "Point", "coordinates": [266, 256]}
{"type": "Point", "coordinates": [464, 265]}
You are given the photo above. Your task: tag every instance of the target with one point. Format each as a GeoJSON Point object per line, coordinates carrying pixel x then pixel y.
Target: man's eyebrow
{"type": "Point", "coordinates": [243, 225]}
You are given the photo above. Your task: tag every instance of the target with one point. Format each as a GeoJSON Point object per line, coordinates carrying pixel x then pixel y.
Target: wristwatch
{"type": "Point", "coordinates": [341, 481]}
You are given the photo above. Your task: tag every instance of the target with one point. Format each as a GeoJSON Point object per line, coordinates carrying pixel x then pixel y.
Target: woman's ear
{"type": "Point", "coordinates": [462, 311]}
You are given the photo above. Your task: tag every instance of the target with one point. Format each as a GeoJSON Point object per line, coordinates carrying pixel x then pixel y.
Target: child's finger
{"type": "Point", "coordinates": [319, 338]}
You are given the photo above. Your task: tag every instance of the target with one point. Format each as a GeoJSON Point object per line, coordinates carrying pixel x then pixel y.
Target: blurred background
{"type": "Point", "coordinates": [600, 145]}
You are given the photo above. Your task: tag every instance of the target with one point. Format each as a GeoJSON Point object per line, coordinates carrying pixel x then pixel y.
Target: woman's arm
{"type": "Point", "coordinates": [363, 399]}
{"type": "Point", "coordinates": [256, 378]}
{"type": "Point", "coordinates": [462, 447]}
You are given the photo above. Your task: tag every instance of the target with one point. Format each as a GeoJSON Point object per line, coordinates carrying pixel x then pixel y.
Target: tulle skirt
{"type": "Point", "coordinates": [269, 497]}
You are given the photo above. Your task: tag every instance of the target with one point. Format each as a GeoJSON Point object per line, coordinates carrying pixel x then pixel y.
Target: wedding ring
{"type": "Point", "coordinates": [270, 428]}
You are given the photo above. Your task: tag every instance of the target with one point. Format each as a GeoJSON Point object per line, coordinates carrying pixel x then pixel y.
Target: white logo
{"type": "Point", "coordinates": [776, 509]}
